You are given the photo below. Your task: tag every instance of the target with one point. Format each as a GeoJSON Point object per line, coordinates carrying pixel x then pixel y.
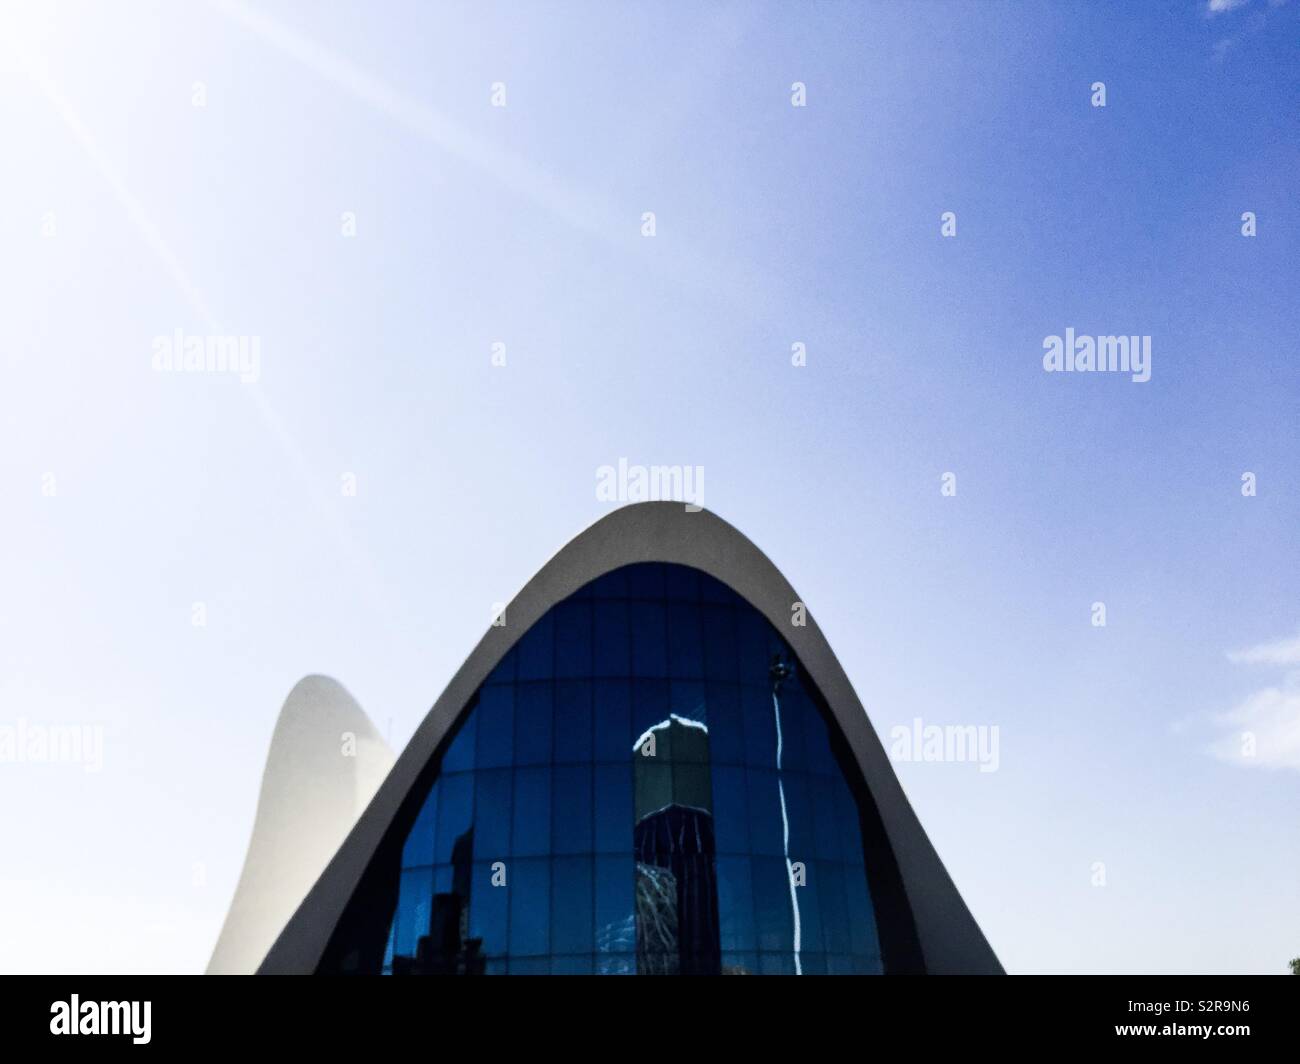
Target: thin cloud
{"type": "Point", "coordinates": [1279, 652]}
{"type": "Point", "coordinates": [1265, 729]}
{"type": "Point", "coordinates": [1218, 7]}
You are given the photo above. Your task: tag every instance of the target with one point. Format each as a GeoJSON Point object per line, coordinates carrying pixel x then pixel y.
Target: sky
{"type": "Point", "coordinates": [333, 182]}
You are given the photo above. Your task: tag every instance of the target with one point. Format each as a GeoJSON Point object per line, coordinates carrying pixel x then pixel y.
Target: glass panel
{"type": "Point", "coordinates": [810, 919]}
{"type": "Point", "coordinates": [612, 643]}
{"type": "Point", "coordinates": [548, 844]}
{"type": "Point", "coordinates": [774, 919]}
{"type": "Point", "coordinates": [649, 639]}
{"type": "Point", "coordinates": [573, 639]}
{"type": "Point", "coordinates": [536, 651]}
{"type": "Point", "coordinates": [496, 729]}
{"type": "Point", "coordinates": [717, 624]}
{"type": "Point", "coordinates": [730, 809]}
{"type": "Point", "coordinates": [736, 904]}
{"type": "Point", "coordinates": [460, 755]}
{"type": "Point", "coordinates": [530, 908]}
{"type": "Point", "coordinates": [829, 840]}
{"type": "Point", "coordinates": [412, 919]}
{"type": "Point", "coordinates": [760, 726]}
{"type": "Point", "coordinates": [766, 830]}
{"type": "Point", "coordinates": [531, 835]}
{"type": "Point", "coordinates": [532, 723]}
{"type": "Point", "coordinates": [418, 848]}
{"type": "Point", "coordinates": [649, 705]}
{"type": "Point", "coordinates": [492, 798]}
{"type": "Point", "coordinates": [583, 964]}
{"type": "Point", "coordinates": [613, 808]}
{"type": "Point", "coordinates": [681, 583]}
{"type": "Point", "coordinates": [685, 649]}
{"type": "Point", "coordinates": [645, 581]}
{"type": "Point", "coordinates": [740, 964]}
{"type": "Point", "coordinates": [612, 720]}
{"type": "Point", "coordinates": [611, 585]}
{"type": "Point", "coordinates": [489, 908]}
{"type": "Point", "coordinates": [571, 809]}
{"type": "Point", "coordinates": [861, 918]}
{"type": "Point", "coordinates": [829, 876]}
{"type": "Point", "coordinates": [726, 725]}
{"type": "Point", "coordinates": [573, 730]}
{"type": "Point", "coordinates": [615, 922]}
{"type": "Point", "coordinates": [616, 964]}
{"type": "Point", "coordinates": [455, 814]}
{"type": "Point", "coordinates": [571, 905]}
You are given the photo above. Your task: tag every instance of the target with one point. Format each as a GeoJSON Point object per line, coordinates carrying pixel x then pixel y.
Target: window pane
{"type": "Point", "coordinates": [612, 720]}
{"type": "Point", "coordinates": [645, 581]}
{"type": "Point", "coordinates": [774, 920]}
{"type": "Point", "coordinates": [613, 808]}
{"type": "Point", "coordinates": [415, 897]}
{"type": "Point", "coordinates": [829, 877]}
{"type": "Point", "coordinates": [496, 727]}
{"type": "Point", "coordinates": [735, 904]}
{"type": "Point", "coordinates": [571, 809]}
{"type": "Point", "coordinates": [600, 844]}
{"type": "Point", "coordinates": [581, 964]}
{"type": "Point", "coordinates": [611, 585]}
{"type": "Point", "coordinates": [810, 919]}
{"type": "Point", "coordinates": [530, 908]}
{"type": "Point", "coordinates": [532, 724]}
{"type": "Point", "coordinates": [726, 725]}
{"type": "Point", "coordinates": [861, 917]}
{"type": "Point", "coordinates": [573, 730]}
{"type": "Point", "coordinates": [760, 726]}
{"type": "Point", "coordinates": [536, 651]}
{"type": "Point", "coordinates": [615, 920]}
{"type": "Point", "coordinates": [717, 625]}
{"type": "Point", "coordinates": [531, 834]}
{"type": "Point", "coordinates": [685, 649]}
{"type": "Point", "coordinates": [489, 910]}
{"type": "Point", "coordinates": [753, 659]}
{"type": "Point", "coordinates": [766, 830]}
{"type": "Point", "coordinates": [649, 646]}
{"type": "Point", "coordinates": [829, 839]}
{"type": "Point", "coordinates": [649, 705]}
{"type": "Point", "coordinates": [571, 905]}
{"type": "Point", "coordinates": [796, 787]}
{"type": "Point", "coordinates": [611, 639]}
{"type": "Point", "coordinates": [418, 848]}
{"type": "Point", "coordinates": [460, 755]}
{"type": "Point", "coordinates": [730, 809]}
{"type": "Point", "coordinates": [492, 796]}
{"type": "Point", "coordinates": [455, 814]}
{"type": "Point", "coordinates": [573, 639]}
{"type": "Point", "coordinates": [681, 582]}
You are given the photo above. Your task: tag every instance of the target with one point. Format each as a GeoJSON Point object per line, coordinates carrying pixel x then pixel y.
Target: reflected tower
{"type": "Point", "coordinates": [673, 843]}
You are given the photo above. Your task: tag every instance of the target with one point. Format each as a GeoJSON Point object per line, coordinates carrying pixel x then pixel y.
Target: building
{"type": "Point", "coordinates": [325, 764]}
{"type": "Point", "coordinates": [653, 763]}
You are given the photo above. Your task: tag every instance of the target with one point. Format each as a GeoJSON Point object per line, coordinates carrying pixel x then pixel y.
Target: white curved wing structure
{"type": "Point", "coordinates": [325, 764]}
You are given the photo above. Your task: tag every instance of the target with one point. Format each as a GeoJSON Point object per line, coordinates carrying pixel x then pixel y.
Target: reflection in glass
{"type": "Point", "coordinates": [631, 791]}
{"type": "Point", "coordinates": [676, 881]}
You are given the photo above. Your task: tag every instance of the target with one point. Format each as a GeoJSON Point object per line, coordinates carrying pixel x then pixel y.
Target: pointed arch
{"type": "Point", "coordinates": [924, 924]}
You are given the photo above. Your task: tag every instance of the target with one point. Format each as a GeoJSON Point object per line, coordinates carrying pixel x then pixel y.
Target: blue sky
{"type": "Point", "coordinates": [130, 212]}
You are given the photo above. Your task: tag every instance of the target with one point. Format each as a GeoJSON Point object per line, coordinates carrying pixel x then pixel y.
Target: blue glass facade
{"type": "Point", "coordinates": [646, 783]}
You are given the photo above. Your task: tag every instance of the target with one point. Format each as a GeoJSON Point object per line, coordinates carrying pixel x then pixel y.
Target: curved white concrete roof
{"type": "Point", "coordinates": [325, 764]}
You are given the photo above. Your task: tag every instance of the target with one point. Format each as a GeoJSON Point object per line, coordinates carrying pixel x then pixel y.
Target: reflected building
{"type": "Point", "coordinates": [648, 769]}
{"type": "Point", "coordinates": [676, 893]}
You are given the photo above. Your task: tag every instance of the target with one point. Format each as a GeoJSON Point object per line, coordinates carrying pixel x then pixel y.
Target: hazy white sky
{"type": "Point", "coordinates": [129, 212]}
